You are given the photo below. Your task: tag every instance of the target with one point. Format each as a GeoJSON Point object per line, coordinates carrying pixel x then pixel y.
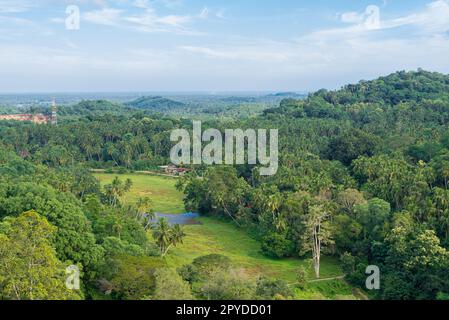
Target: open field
{"type": "Point", "coordinates": [216, 236]}
{"type": "Point", "coordinates": [161, 190]}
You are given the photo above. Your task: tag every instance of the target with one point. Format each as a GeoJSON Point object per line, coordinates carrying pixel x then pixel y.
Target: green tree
{"type": "Point", "coordinates": [317, 234]}
{"type": "Point", "coordinates": [228, 285]}
{"type": "Point", "coordinates": [29, 269]}
{"type": "Point", "coordinates": [167, 236]}
{"type": "Point", "coordinates": [170, 286]}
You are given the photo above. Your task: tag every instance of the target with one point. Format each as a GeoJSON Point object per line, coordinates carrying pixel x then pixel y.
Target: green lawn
{"type": "Point", "coordinates": [161, 190]}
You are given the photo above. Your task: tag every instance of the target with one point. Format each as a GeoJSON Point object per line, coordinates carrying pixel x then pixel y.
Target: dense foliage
{"type": "Point", "coordinates": [363, 175]}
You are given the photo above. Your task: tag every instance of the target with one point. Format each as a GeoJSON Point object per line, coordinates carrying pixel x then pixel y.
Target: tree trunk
{"type": "Point", "coordinates": [316, 267]}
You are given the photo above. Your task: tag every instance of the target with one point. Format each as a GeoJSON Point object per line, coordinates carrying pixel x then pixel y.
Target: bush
{"type": "Point", "coordinates": [122, 171]}
{"type": "Point", "coordinates": [189, 273]}
{"type": "Point", "coordinates": [443, 296]}
{"type": "Point", "coordinates": [114, 246]}
{"type": "Point", "coordinates": [301, 277]}
{"type": "Point", "coordinates": [348, 262]}
{"type": "Point", "coordinates": [277, 246]}
{"type": "Point", "coordinates": [228, 285]}
{"type": "Point", "coordinates": [268, 289]}
{"type": "Point", "coordinates": [203, 266]}
{"type": "Point", "coordinates": [134, 277]}
{"type": "Point", "coordinates": [170, 286]}
{"type": "Point", "coordinates": [358, 277]}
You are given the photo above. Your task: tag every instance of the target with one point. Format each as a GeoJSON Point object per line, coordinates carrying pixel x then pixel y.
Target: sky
{"type": "Point", "coordinates": [215, 46]}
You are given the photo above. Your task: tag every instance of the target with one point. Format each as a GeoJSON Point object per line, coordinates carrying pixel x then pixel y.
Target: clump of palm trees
{"type": "Point", "coordinates": [115, 190]}
{"type": "Point", "coordinates": [167, 236]}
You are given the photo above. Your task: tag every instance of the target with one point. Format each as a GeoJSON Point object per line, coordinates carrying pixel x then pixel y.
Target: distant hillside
{"type": "Point", "coordinates": [425, 93]}
{"type": "Point", "coordinates": [398, 87]}
{"type": "Point", "coordinates": [288, 95]}
{"type": "Point", "coordinates": [158, 104]}
{"type": "Point", "coordinates": [93, 107]}
{"type": "Point", "coordinates": [238, 100]}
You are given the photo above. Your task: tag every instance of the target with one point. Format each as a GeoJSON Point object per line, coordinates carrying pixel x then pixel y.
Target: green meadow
{"type": "Point", "coordinates": [160, 189]}
{"type": "Point", "coordinates": [216, 236]}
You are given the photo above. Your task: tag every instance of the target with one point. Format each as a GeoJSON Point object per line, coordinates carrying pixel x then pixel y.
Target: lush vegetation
{"type": "Point", "coordinates": [363, 180]}
{"type": "Point", "coordinates": [156, 104]}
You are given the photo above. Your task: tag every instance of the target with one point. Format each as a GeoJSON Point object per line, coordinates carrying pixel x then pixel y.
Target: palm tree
{"type": "Point", "coordinates": [162, 235]}
{"type": "Point", "coordinates": [178, 235]}
{"type": "Point", "coordinates": [166, 236]}
{"type": "Point", "coordinates": [117, 189]}
{"type": "Point", "coordinates": [144, 213]}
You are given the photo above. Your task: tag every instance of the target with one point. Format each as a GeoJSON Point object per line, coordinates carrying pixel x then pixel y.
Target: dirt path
{"type": "Point", "coordinates": [319, 280]}
{"type": "Point", "coordinates": [154, 173]}
{"type": "Point", "coordinates": [327, 279]}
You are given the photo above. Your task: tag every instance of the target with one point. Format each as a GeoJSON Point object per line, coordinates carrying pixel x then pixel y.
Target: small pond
{"type": "Point", "coordinates": [188, 218]}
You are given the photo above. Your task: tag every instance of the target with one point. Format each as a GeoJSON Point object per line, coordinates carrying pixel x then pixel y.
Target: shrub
{"type": "Point", "coordinates": [301, 277]}
{"type": "Point", "coordinates": [277, 246]}
{"type": "Point", "coordinates": [170, 286]}
{"type": "Point", "coordinates": [268, 289]}
{"type": "Point", "coordinates": [228, 285]}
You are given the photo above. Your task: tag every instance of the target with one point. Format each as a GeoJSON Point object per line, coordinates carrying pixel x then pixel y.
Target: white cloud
{"type": "Point", "coordinates": [433, 19]}
{"type": "Point", "coordinates": [321, 58]}
{"type": "Point", "coordinates": [352, 17]}
{"type": "Point", "coordinates": [106, 16]}
{"type": "Point", "coordinates": [15, 6]}
{"type": "Point", "coordinates": [143, 4]}
{"type": "Point", "coordinates": [146, 20]}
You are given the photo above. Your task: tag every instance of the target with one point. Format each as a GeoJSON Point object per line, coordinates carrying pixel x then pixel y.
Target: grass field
{"type": "Point", "coordinates": [216, 236]}
{"type": "Point", "coordinates": [161, 190]}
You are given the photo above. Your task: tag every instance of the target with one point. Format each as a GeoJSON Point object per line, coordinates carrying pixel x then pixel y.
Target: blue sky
{"type": "Point", "coordinates": [221, 45]}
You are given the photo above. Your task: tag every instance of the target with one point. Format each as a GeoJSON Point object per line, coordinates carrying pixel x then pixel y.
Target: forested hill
{"type": "Point", "coordinates": [101, 107]}
{"type": "Point", "coordinates": [93, 108]}
{"type": "Point", "coordinates": [395, 88]}
{"type": "Point", "coordinates": [429, 89]}
{"type": "Point", "coordinates": [158, 104]}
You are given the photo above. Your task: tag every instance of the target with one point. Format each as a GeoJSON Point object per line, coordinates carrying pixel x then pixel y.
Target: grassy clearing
{"type": "Point", "coordinates": [215, 236]}
{"type": "Point", "coordinates": [161, 190]}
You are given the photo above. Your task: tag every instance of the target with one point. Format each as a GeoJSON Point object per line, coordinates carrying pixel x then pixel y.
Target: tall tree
{"type": "Point", "coordinates": [317, 234]}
